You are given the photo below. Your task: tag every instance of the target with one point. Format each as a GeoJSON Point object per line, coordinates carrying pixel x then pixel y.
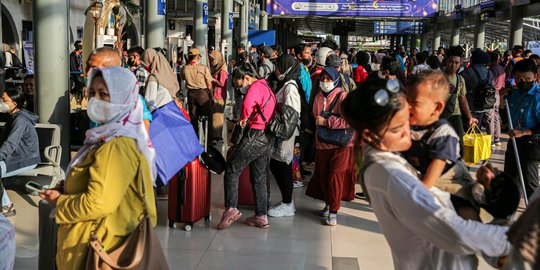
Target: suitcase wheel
{"type": "Point", "coordinates": [188, 227]}
{"type": "Point", "coordinates": [208, 218]}
{"type": "Point", "coordinates": [172, 224]}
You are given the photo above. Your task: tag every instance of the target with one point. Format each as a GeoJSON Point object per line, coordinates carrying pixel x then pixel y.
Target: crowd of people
{"type": "Point", "coordinates": [392, 121]}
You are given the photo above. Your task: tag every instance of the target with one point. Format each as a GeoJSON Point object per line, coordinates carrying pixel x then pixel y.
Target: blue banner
{"type": "Point", "coordinates": [487, 4]}
{"type": "Point", "coordinates": [398, 28]}
{"type": "Point", "coordinates": [231, 17]}
{"type": "Point", "coordinates": [373, 8]}
{"type": "Point", "coordinates": [205, 13]}
{"type": "Point", "coordinates": [262, 37]}
{"type": "Point", "coordinates": [161, 7]}
{"type": "Point", "coordinates": [252, 24]}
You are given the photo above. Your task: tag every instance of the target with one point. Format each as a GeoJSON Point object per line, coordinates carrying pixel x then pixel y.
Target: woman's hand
{"type": "Point", "coordinates": [516, 133]}
{"type": "Point", "coordinates": [51, 196]}
{"type": "Point", "coordinates": [242, 123]}
{"type": "Point", "coordinates": [320, 121]}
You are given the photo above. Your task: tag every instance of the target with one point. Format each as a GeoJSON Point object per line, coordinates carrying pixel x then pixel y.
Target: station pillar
{"type": "Point", "coordinates": [51, 44]}
{"type": "Point", "coordinates": [423, 42]}
{"type": "Point", "coordinates": [516, 26]}
{"type": "Point", "coordinates": [155, 32]}
{"type": "Point", "coordinates": [454, 34]}
{"type": "Point", "coordinates": [227, 27]}
{"type": "Point", "coordinates": [436, 39]}
{"type": "Point", "coordinates": [263, 21]}
{"type": "Point", "coordinates": [479, 33]}
{"type": "Point", "coordinates": [244, 17]}
{"type": "Point", "coordinates": [200, 30]}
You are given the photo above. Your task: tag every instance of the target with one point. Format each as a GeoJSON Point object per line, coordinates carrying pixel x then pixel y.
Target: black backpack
{"type": "Point", "coordinates": [484, 96]}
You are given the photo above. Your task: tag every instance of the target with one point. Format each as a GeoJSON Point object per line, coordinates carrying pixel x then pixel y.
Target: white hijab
{"type": "Point", "coordinates": [124, 95]}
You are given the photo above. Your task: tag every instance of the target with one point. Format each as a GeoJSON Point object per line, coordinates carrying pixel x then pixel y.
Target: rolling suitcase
{"type": "Point", "coordinates": [189, 192]}
{"type": "Point", "coordinates": [48, 230]}
{"type": "Point", "coordinates": [245, 189]}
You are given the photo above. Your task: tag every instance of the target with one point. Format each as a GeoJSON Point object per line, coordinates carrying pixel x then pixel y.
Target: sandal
{"type": "Point", "coordinates": [258, 221]}
{"type": "Point", "coordinates": [228, 218]}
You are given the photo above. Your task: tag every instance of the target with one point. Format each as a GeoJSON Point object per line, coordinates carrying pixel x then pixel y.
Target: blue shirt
{"type": "Point", "coordinates": [525, 108]}
{"type": "Point", "coordinates": [147, 115]}
{"type": "Point", "coordinates": [305, 80]}
{"type": "Point", "coordinates": [401, 62]}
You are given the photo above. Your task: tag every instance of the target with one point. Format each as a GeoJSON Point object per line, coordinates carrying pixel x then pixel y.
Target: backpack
{"type": "Point", "coordinates": [346, 83]}
{"type": "Point", "coordinates": [484, 96]}
{"type": "Point", "coordinates": [267, 69]}
{"type": "Point", "coordinates": [285, 120]}
{"type": "Point", "coordinates": [452, 99]}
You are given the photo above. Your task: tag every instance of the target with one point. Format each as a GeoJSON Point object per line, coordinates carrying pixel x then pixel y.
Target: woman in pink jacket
{"type": "Point", "coordinates": [335, 167]}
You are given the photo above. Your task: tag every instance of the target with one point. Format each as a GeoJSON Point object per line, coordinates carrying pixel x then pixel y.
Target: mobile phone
{"type": "Point", "coordinates": [33, 188]}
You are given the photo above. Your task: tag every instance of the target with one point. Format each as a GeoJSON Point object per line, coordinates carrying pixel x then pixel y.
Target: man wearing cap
{"type": "Point", "coordinates": [474, 75]}
{"type": "Point", "coordinates": [266, 67]}
{"type": "Point", "coordinates": [199, 85]}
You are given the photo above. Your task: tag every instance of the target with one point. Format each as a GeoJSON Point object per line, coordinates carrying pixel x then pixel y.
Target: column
{"type": "Point", "coordinates": [405, 41]}
{"type": "Point", "coordinates": [226, 29]}
{"type": "Point", "coordinates": [414, 42]}
{"type": "Point", "coordinates": [154, 36]}
{"type": "Point", "coordinates": [343, 42]}
{"type": "Point", "coordinates": [479, 33]}
{"type": "Point", "coordinates": [264, 20]}
{"type": "Point", "coordinates": [392, 42]}
{"type": "Point", "coordinates": [516, 26]}
{"type": "Point", "coordinates": [436, 39]}
{"type": "Point", "coordinates": [200, 30]}
{"type": "Point", "coordinates": [51, 45]}
{"type": "Point", "coordinates": [423, 42]}
{"type": "Point", "coordinates": [454, 34]}
{"type": "Point", "coordinates": [244, 17]}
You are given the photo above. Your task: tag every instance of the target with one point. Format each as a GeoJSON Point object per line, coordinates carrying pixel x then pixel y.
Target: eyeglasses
{"type": "Point", "coordinates": [382, 96]}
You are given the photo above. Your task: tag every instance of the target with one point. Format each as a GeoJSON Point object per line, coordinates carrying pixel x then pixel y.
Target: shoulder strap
{"type": "Point", "coordinates": [338, 96]}
{"type": "Point", "coordinates": [148, 80]}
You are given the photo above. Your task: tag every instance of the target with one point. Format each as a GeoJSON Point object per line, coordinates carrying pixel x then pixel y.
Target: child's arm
{"type": "Point", "coordinates": [434, 171]}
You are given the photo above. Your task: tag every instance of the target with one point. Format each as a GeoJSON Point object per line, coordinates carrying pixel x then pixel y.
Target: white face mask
{"type": "Point", "coordinates": [4, 108]}
{"type": "Point", "coordinates": [103, 112]}
{"type": "Point", "coordinates": [244, 89]}
{"type": "Point", "coordinates": [327, 86]}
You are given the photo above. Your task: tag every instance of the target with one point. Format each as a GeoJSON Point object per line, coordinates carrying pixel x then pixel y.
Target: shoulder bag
{"type": "Point", "coordinates": [338, 137]}
{"type": "Point", "coordinates": [141, 250]}
{"type": "Point", "coordinates": [239, 131]}
{"type": "Point", "coordinates": [285, 121]}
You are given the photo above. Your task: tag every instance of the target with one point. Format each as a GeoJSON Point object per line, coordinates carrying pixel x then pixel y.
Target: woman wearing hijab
{"type": "Point", "coordinates": [363, 69]}
{"type": "Point", "coordinates": [253, 149]}
{"type": "Point", "coordinates": [96, 189]}
{"type": "Point", "coordinates": [287, 72]}
{"type": "Point", "coordinates": [335, 171]}
{"type": "Point", "coordinates": [162, 83]}
{"type": "Point", "coordinates": [220, 74]}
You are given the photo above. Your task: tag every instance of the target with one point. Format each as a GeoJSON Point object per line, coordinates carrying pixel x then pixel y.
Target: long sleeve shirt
{"type": "Point", "coordinates": [423, 231]}
{"type": "Point", "coordinates": [525, 109]}
{"type": "Point", "coordinates": [258, 94]}
{"type": "Point", "coordinates": [336, 121]}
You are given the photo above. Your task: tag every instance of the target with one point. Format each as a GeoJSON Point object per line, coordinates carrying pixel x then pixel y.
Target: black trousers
{"type": "Point", "coordinates": [283, 174]}
{"type": "Point", "coordinates": [529, 163]}
{"type": "Point", "coordinates": [200, 104]}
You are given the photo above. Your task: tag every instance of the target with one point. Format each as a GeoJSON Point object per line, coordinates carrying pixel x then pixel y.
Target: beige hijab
{"type": "Point", "coordinates": [217, 62]}
{"type": "Point", "coordinates": [159, 66]}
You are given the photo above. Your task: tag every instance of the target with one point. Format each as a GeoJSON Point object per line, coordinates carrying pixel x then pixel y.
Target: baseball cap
{"type": "Point", "coordinates": [333, 60]}
{"type": "Point", "coordinates": [194, 51]}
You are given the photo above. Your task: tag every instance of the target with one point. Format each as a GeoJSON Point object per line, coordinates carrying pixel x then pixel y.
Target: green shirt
{"type": "Point", "coordinates": [462, 91]}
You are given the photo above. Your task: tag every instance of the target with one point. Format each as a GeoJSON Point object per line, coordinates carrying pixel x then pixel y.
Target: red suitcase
{"type": "Point", "coordinates": [189, 192]}
{"type": "Point", "coordinates": [245, 190]}
{"type": "Point", "coordinates": [189, 195]}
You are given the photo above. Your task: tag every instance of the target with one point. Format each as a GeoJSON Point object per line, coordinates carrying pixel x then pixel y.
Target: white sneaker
{"type": "Point", "coordinates": [298, 184]}
{"type": "Point", "coordinates": [282, 210]}
{"type": "Point", "coordinates": [331, 220]}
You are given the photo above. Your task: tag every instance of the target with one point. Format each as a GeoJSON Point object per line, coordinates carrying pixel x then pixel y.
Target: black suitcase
{"type": "Point", "coordinates": [48, 231]}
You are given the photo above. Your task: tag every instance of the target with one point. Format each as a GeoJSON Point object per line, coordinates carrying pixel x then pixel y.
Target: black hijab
{"type": "Point", "coordinates": [284, 63]}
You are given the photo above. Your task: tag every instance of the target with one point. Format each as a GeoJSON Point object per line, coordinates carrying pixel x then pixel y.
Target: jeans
{"type": "Point", "coordinates": [4, 173]}
{"type": "Point", "coordinates": [253, 150]}
{"type": "Point", "coordinates": [529, 166]}
{"type": "Point", "coordinates": [494, 121]}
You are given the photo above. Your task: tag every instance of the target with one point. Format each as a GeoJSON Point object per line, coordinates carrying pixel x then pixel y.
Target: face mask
{"type": "Point", "coordinates": [306, 62]}
{"type": "Point", "coordinates": [104, 112]}
{"type": "Point", "coordinates": [4, 108]}
{"type": "Point", "coordinates": [327, 86]}
{"type": "Point", "coordinates": [130, 63]}
{"type": "Point", "coordinates": [281, 77]}
{"type": "Point", "coordinates": [525, 86]}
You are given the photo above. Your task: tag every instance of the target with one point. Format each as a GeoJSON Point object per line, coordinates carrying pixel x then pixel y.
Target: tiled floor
{"type": "Point", "coordinates": [299, 242]}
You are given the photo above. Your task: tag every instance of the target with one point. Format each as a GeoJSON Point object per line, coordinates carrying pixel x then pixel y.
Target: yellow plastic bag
{"type": "Point", "coordinates": [476, 146]}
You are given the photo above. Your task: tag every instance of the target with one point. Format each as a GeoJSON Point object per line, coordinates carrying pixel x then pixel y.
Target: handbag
{"type": "Point", "coordinates": [142, 249]}
{"type": "Point", "coordinates": [476, 146]}
{"type": "Point", "coordinates": [339, 137]}
{"type": "Point", "coordinates": [239, 131]}
{"type": "Point", "coordinates": [284, 123]}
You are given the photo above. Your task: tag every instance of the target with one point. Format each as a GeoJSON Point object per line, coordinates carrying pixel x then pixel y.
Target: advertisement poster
{"type": "Point", "coordinates": [373, 8]}
{"type": "Point", "coordinates": [28, 48]}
